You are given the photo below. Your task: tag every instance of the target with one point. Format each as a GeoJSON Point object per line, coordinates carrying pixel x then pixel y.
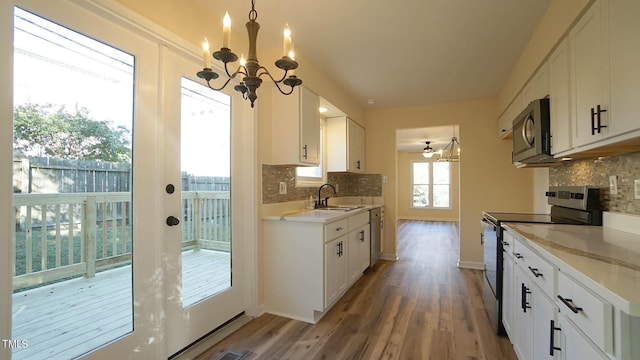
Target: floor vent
{"type": "Point", "coordinates": [230, 355]}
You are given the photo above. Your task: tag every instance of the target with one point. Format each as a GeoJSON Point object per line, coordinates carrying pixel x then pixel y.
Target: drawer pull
{"type": "Point", "coordinates": [524, 304]}
{"type": "Point", "coordinates": [339, 228]}
{"type": "Point", "coordinates": [569, 304]}
{"type": "Point", "coordinates": [517, 255]}
{"type": "Point", "coordinates": [552, 329]}
{"type": "Point", "coordinates": [534, 271]}
{"type": "Point", "coordinates": [504, 243]}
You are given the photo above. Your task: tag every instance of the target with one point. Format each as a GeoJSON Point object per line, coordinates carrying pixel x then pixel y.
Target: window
{"type": "Point", "coordinates": [307, 176]}
{"type": "Point", "coordinates": [431, 184]}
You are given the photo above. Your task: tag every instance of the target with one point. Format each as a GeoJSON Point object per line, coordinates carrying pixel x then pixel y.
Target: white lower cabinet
{"type": "Point", "coordinates": [308, 266]}
{"type": "Point", "coordinates": [359, 252]}
{"type": "Point", "coordinates": [508, 293]}
{"type": "Point", "coordinates": [534, 314]}
{"type": "Point", "coordinates": [335, 269]}
{"type": "Point", "coordinates": [573, 345]}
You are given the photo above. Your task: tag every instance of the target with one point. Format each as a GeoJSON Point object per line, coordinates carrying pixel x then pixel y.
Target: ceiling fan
{"type": "Point", "coordinates": [428, 152]}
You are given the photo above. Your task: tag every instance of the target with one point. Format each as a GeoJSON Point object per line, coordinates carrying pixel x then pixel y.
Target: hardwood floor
{"type": "Point", "coordinates": [420, 307]}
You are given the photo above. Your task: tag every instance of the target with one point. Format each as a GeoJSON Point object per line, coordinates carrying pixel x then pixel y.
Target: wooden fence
{"type": "Point", "coordinates": [67, 235]}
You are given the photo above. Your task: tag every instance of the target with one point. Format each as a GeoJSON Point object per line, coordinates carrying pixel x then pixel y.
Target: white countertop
{"type": "Point", "coordinates": [320, 216]}
{"type": "Point", "coordinates": [604, 259]}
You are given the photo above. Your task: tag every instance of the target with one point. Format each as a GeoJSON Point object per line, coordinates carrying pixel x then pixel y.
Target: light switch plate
{"type": "Point", "coordinates": [636, 189]}
{"type": "Point", "coordinates": [282, 188]}
{"type": "Point", "coordinates": [613, 185]}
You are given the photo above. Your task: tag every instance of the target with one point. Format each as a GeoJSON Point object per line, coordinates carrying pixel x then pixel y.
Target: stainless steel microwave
{"type": "Point", "coordinates": [532, 134]}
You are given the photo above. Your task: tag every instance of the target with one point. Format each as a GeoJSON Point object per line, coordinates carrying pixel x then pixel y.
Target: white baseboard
{"type": "Point", "coordinates": [422, 218]}
{"type": "Point", "coordinates": [471, 265]}
{"type": "Point", "coordinates": [390, 257]}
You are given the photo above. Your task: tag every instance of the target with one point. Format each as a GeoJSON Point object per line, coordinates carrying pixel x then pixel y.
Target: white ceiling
{"type": "Point", "coordinates": [414, 139]}
{"type": "Point", "coordinates": [402, 52]}
{"type": "Point", "coordinates": [399, 53]}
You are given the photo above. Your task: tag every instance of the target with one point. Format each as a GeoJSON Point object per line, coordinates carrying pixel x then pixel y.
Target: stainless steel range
{"type": "Point", "coordinates": [579, 205]}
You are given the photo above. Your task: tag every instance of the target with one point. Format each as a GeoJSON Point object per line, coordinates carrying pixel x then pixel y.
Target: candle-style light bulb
{"type": "Point", "coordinates": [226, 30]}
{"type": "Point", "coordinates": [287, 40]}
{"type": "Point", "coordinates": [205, 53]}
{"type": "Point", "coordinates": [292, 55]}
{"type": "Point", "coordinates": [243, 61]}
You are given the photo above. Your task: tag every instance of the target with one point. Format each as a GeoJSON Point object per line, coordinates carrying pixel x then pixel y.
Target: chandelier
{"type": "Point", "coordinates": [451, 152]}
{"type": "Point", "coordinates": [250, 70]}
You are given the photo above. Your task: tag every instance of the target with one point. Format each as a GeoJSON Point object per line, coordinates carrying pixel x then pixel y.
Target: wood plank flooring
{"type": "Point", "coordinates": [420, 307]}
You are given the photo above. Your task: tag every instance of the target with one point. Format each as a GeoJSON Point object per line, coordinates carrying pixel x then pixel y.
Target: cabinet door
{"type": "Point", "coordinates": [590, 74]}
{"type": "Point", "coordinates": [342, 266]}
{"type": "Point", "coordinates": [559, 95]}
{"type": "Point", "coordinates": [544, 313]}
{"type": "Point", "coordinates": [354, 256]}
{"type": "Point", "coordinates": [355, 146]}
{"type": "Point", "coordinates": [523, 343]}
{"type": "Point", "coordinates": [332, 253]}
{"type": "Point", "coordinates": [573, 345]}
{"type": "Point", "coordinates": [625, 73]}
{"type": "Point", "coordinates": [309, 127]}
{"type": "Point", "coordinates": [508, 296]}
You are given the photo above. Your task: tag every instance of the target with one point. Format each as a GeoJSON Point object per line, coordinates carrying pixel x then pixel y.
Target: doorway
{"type": "Point", "coordinates": [428, 186]}
{"type": "Point", "coordinates": [96, 217]}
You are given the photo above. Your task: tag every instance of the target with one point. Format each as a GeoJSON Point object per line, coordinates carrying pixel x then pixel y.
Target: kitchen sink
{"type": "Point", "coordinates": [341, 207]}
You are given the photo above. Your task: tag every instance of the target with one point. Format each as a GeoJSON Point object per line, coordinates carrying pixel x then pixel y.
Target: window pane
{"type": "Point", "coordinates": [441, 173]}
{"type": "Point", "coordinates": [420, 195]}
{"type": "Point", "coordinates": [72, 184]}
{"type": "Point", "coordinates": [421, 173]}
{"type": "Point", "coordinates": [440, 195]}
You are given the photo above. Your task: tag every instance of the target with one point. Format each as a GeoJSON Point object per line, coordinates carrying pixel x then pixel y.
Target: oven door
{"type": "Point", "coordinates": [490, 236]}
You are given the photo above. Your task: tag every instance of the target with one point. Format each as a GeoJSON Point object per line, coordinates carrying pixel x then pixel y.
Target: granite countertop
{"type": "Point", "coordinates": [322, 216]}
{"type": "Point", "coordinates": [604, 259]}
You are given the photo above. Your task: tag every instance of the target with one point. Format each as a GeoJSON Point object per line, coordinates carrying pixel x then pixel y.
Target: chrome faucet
{"type": "Point", "coordinates": [320, 203]}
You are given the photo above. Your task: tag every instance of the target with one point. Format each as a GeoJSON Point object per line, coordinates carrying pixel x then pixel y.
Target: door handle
{"type": "Point", "coordinates": [552, 346]}
{"type": "Point", "coordinates": [172, 221]}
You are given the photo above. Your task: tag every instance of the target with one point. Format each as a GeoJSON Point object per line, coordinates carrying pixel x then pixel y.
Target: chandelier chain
{"type": "Point", "coordinates": [253, 14]}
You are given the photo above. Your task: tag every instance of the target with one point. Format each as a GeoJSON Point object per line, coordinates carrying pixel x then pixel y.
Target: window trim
{"type": "Point", "coordinates": [430, 207]}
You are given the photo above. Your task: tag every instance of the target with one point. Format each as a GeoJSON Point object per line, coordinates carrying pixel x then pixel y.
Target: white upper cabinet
{"type": "Point", "coordinates": [559, 98]}
{"type": "Point", "coordinates": [536, 88]}
{"type": "Point", "coordinates": [589, 75]}
{"type": "Point", "coordinates": [624, 43]}
{"type": "Point", "coordinates": [295, 125]}
{"type": "Point", "coordinates": [345, 145]}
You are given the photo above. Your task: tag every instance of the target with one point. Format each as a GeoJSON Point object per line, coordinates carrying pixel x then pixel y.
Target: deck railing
{"type": "Point", "coordinates": [58, 236]}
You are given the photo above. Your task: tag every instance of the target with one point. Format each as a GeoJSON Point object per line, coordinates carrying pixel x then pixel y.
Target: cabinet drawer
{"type": "Point", "coordinates": [335, 229]}
{"type": "Point", "coordinates": [359, 220]}
{"type": "Point", "coordinates": [591, 314]}
{"type": "Point", "coordinates": [542, 272]}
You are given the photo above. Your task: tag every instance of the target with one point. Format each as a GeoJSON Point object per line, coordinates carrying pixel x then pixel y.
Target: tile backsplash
{"type": "Point", "coordinates": [596, 172]}
{"type": "Point", "coordinates": [348, 184]}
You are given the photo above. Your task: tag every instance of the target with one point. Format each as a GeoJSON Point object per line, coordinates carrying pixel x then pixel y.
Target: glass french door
{"type": "Point", "coordinates": [203, 263]}
{"type": "Point", "coordinates": [83, 187]}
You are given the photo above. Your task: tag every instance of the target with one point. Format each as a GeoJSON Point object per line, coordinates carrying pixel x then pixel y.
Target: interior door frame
{"type": "Point", "coordinates": [151, 325]}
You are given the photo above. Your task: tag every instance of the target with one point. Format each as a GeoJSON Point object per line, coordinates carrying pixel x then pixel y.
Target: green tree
{"type": "Point", "coordinates": [41, 130]}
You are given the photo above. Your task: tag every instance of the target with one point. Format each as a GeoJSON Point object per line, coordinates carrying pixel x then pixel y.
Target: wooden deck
{"type": "Point", "coordinates": [69, 318]}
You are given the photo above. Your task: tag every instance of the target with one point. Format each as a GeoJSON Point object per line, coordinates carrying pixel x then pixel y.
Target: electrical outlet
{"type": "Point", "coordinates": [613, 185]}
{"type": "Point", "coordinates": [337, 188]}
{"type": "Point", "coordinates": [282, 188]}
{"type": "Point", "coordinates": [636, 189]}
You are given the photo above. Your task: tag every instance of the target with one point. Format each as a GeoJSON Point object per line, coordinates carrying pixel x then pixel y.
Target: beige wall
{"type": "Point", "coordinates": [488, 180]}
{"type": "Point", "coordinates": [405, 195]}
